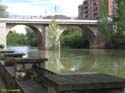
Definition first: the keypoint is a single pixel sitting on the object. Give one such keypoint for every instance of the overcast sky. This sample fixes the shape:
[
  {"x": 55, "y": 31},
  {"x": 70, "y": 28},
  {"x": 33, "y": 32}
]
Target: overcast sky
[{"x": 43, "y": 7}]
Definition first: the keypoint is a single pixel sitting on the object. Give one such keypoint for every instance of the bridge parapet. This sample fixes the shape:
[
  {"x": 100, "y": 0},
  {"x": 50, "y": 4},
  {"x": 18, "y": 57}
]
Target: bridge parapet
[{"x": 47, "y": 21}]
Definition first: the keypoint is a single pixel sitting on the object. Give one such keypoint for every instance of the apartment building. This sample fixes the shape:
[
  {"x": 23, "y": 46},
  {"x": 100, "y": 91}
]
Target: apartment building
[
  {"x": 80, "y": 12},
  {"x": 91, "y": 9}
]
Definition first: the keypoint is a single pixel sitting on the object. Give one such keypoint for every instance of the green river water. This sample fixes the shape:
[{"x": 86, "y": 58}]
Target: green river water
[{"x": 79, "y": 60}]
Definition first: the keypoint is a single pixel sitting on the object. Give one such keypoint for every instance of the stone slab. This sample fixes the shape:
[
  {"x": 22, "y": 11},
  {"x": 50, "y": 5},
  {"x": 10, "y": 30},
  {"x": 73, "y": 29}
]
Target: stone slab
[
  {"x": 30, "y": 86},
  {"x": 14, "y": 54},
  {"x": 85, "y": 81},
  {"x": 29, "y": 60},
  {"x": 6, "y": 51}
]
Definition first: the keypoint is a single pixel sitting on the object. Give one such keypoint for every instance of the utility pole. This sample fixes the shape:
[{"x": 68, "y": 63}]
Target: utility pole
[
  {"x": 45, "y": 13},
  {"x": 55, "y": 11}
]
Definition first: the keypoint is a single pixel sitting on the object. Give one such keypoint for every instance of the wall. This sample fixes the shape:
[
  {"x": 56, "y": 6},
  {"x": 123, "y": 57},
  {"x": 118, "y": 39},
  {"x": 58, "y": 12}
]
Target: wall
[{"x": 3, "y": 33}]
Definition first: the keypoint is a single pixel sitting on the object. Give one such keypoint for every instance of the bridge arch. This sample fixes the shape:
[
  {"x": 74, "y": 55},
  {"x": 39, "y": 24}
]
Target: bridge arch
[
  {"x": 41, "y": 26},
  {"x": 86, "y": 31},
  {"x": 38, "y": 33}
]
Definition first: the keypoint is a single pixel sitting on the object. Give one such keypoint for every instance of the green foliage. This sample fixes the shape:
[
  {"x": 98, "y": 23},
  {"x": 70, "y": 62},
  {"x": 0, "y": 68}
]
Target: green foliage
[
  {"x": 2, "y": 11},
  {"x": 73, "y": 39},
  {"x": 117, "y": 35},
  {"x": 16, "y": 39},
  {"x": 104, "y": 8},
  {"x": 103, "y": 22},
  {"x": 120, "y": 19},
  {"x": 20, "y": 39},
  {"x": 53, "y": 29},
  {"x": 31, "y": 37},
  {"x": 54, "y": 34},
  {"x": 103, "y": 25}
]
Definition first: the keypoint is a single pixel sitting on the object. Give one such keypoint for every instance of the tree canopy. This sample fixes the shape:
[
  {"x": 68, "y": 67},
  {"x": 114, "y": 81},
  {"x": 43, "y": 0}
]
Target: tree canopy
[{"x": 3, "y": 12}]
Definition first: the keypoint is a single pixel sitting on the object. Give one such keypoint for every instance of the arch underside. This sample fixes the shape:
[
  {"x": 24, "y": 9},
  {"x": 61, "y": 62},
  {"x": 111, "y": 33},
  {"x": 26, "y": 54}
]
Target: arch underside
[
  {"x": 90, "y": 35},
  {"x": 39, "y": 35}
]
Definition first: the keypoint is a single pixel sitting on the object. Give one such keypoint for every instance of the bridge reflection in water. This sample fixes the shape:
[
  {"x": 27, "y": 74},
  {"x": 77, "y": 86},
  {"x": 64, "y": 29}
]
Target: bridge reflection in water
[{"x": 79, "y": 60}]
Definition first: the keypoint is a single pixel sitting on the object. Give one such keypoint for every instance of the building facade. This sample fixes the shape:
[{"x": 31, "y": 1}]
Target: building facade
[
  {"x": 91, "y": 9},
  {"x": 80, "y": 12}
]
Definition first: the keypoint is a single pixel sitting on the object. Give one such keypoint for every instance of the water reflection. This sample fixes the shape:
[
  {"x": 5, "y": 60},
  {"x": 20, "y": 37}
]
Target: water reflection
[{"x": 80, "y": 60}]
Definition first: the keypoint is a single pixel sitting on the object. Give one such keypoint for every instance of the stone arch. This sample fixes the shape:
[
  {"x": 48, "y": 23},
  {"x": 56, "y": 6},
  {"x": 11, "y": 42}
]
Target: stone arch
[
  {"x": 39, "y": 35},
  {"x": 84, "y": 29},
  {"x": 88, "y": 32},
  {"x": 90, "y": 35}
]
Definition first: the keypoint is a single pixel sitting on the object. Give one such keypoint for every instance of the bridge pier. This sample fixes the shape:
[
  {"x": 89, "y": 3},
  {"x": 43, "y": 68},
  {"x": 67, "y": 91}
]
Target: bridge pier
[
  {"x": 49, "y": 42},
  {"x": 41, "y": 35},
  {"x": 3, "y": 34},
  {"x": 94, "y": 36},
  {"x": 97, "y": 43}
]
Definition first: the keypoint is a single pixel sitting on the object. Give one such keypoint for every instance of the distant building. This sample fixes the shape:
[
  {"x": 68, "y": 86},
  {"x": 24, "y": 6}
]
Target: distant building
[
  {"x": 91, "y": 9},
  {"x": 24, "y": 16},
  {"x": 81, "y": 11},
  {"x": 112, "y": 7},
  {"x": 56, "y": 17}
]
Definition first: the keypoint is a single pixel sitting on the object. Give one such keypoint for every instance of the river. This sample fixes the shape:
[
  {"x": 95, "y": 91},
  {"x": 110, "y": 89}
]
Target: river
[{"x": 79, "y": 60}]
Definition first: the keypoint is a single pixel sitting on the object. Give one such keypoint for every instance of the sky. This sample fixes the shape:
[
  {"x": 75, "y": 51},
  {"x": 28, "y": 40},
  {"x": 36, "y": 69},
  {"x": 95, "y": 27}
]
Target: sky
[{"x": 43, "y": 7}]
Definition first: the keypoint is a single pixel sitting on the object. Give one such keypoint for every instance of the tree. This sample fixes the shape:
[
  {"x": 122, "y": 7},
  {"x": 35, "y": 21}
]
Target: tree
[
  {"x": 103, "y": 24},
  {"x": 119, "y": 19},
  {"x": 119, "y": 23},
  {"x": 31, "y": 37},
  {"x": 54, "y": 34},
  {"x": 3, "y": 11},
  {"x": 14, "y": 38},
  {"x": 73, "y": 39}
]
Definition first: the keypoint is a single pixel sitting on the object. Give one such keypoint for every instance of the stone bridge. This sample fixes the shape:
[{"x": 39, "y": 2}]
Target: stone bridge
[{"x": 40, "y": 27}]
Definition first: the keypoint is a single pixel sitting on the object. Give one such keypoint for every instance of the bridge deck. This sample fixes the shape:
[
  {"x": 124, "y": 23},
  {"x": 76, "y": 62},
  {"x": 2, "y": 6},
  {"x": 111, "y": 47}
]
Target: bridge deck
[{"x": 47, "y": 21}]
